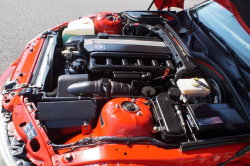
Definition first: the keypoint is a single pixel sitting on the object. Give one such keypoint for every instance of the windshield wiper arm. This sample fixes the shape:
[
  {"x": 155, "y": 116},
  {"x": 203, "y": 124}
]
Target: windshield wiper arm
[
  {"x": 226, "y": 47},
  {"x": 220, "y": 40},
  {"x": 237, "y": 154},
  {"x": 196, "y": 13}
]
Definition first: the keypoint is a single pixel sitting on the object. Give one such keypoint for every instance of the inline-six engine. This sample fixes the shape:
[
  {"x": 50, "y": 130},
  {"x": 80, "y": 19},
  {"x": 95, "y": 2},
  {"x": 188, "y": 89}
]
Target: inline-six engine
[{"x": 136, "y": 83}]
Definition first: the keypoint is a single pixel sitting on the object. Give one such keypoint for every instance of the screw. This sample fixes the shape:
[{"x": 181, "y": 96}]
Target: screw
[
  {"x": 31, "y": 49},
  {"x": 23, "y": 85},
  {"x": 12, "y": 94},
  {"x": 139, "y": 113},
  {"x": 20, "y": 74},
  {"x": 68, "y": 157},
  {"x": 117, "y": 105},
  {"x": 156, "y": 129}
]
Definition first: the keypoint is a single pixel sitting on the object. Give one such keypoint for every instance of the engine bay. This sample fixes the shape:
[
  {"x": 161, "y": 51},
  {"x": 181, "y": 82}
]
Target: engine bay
[{"x": 124, "y": 78}]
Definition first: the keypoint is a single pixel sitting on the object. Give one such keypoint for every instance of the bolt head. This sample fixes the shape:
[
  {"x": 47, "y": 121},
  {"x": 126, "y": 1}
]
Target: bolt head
[
  {"x": 117, "y": 105},
  {"x": 68, "y": 157},
  {"x": 23, "y": 85},
  {"x": 139, "y": 113},
  {"x": 20, "y": 74}
]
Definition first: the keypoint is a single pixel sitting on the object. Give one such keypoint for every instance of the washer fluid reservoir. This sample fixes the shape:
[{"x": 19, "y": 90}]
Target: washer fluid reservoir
[{"x": 83, "y": 26}]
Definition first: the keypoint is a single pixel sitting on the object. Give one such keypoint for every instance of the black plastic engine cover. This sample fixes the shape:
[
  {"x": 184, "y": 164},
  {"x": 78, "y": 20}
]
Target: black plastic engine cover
[
  {"x": 125, "y": 53},
  {"x": 126, "y": 45},
  {"x": 66, "y": 113}
]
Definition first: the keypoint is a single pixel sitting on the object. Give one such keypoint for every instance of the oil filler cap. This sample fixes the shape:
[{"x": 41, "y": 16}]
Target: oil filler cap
[
  {"x": 130, "y": 106},
  {"x": 174, "y": 93}
]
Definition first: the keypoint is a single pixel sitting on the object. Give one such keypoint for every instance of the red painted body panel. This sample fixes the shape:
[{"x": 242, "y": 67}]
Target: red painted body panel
[
  {"x": 28, "y": 60},
  {"x": 103, "y": 24},
  {"x": 120, "y": 122},
  {"x": 152, "y": 156},
  {"x": 115, "y": 154},
  {"x": 7, "y": 73},
  {"x": 169, "y": 3}
]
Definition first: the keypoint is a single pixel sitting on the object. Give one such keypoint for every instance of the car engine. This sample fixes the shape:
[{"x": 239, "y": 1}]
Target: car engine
[{"x": 128, "y": 80}]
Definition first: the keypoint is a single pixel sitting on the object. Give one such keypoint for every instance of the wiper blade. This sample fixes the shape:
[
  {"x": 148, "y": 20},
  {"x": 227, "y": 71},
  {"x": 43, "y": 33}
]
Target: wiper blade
[
  {"x": 196, "y": 13},
  {"x": 220, "y": 40},
  {"x": 226, "y": 47},
  {"x": 240, "y": 153}
]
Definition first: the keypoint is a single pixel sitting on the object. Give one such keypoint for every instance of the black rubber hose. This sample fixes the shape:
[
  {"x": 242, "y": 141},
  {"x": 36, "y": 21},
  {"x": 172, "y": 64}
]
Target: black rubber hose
[
  {"x": 80, "y": 48},
  {"x": 52, "y": 94},
  {"x": 131, "y": 139},
  {"x": 123, "y": 29},
  {"x": 85, "y": 140},
  {"x": 88, "y": 88},
  {"x": 110, "y": 138}
]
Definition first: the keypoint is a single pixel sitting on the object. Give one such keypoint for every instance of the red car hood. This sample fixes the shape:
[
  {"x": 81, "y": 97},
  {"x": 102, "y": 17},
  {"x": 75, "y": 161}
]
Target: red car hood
[{"x": 240, "y": 9}]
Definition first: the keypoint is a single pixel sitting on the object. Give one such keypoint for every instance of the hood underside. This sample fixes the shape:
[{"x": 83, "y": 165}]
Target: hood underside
[{"x": 240, "y": 9}]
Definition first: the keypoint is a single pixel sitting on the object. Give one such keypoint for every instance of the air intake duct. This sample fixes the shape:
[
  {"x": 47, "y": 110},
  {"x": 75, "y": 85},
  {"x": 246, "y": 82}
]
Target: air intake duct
[{"x": 100, "y": 87}]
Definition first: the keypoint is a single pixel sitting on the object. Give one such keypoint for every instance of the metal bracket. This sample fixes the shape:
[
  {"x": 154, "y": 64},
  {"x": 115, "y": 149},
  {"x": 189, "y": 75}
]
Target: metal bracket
[{"x": 28, "y": 92}]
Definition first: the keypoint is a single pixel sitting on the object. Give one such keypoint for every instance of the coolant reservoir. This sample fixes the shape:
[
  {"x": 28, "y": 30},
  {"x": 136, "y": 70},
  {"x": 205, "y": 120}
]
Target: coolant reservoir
[
  {"x": 83, "y": 26},
  {"x": 193, "y": 88}
]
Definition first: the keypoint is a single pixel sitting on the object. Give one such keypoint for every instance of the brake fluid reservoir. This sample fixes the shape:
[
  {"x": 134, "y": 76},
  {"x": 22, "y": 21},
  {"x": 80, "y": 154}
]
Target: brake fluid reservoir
[
  {"x": 83, "y": 26},
  {"x": 193, "y": 88}
]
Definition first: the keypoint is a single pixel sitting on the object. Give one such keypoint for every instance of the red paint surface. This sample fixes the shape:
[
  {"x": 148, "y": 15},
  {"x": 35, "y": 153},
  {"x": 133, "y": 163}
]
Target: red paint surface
[
  {"x": 21, "y": 116},
  {"x": 169, "y": 3},
  {"x": 117, "y": 154},
  {"x": 120, "y": 122},
  {"x": 103, "y": 24}
]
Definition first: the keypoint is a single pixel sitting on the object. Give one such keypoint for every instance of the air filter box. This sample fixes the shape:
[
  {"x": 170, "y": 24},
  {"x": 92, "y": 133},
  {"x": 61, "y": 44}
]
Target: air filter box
[{"x": 66, "y": 113}]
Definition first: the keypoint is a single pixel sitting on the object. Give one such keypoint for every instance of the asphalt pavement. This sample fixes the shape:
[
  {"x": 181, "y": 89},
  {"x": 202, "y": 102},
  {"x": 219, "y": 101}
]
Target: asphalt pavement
[{"x": 22, "y": 20}]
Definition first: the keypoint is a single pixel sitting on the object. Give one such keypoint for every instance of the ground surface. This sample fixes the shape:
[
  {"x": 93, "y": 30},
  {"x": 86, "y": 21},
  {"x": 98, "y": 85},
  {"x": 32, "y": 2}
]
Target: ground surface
[{"x": 22, "y": 20}]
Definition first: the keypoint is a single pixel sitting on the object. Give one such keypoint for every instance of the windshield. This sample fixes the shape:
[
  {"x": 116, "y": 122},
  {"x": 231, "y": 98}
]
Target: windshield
[{"x": 223, "y": 23}]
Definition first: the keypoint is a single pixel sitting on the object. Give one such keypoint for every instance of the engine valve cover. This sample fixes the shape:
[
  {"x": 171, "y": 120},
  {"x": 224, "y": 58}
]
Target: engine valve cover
[{"x": 125, "y": 117}]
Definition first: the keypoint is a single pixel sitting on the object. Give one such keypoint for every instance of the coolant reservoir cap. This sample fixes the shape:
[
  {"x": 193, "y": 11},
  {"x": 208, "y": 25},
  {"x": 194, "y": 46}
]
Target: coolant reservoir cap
[
  {"x": 194, "y": 82},
  {"x": 130, "y": 106},
  {"x": 85, "y": 21}
]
